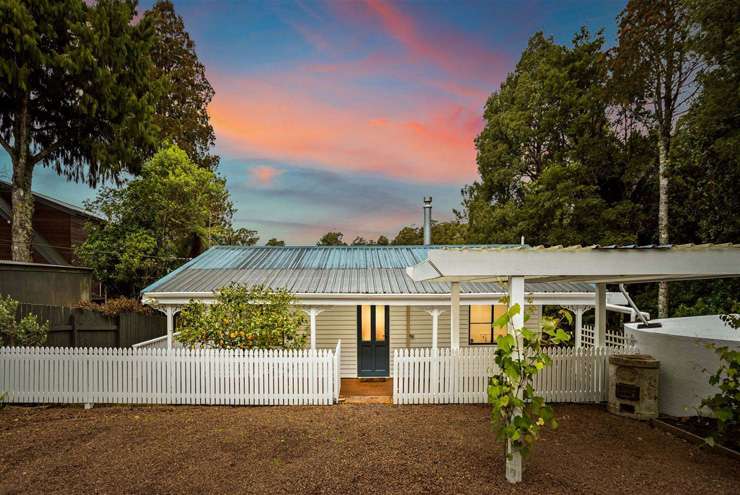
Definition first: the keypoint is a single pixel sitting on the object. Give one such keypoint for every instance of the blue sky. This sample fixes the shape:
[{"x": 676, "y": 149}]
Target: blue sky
[{"x": 343, "y": 115}]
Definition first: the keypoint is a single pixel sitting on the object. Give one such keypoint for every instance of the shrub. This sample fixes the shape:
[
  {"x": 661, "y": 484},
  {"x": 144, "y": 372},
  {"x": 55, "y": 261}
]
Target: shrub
[
  {"x": 244, "y": 318},
  {"x": 725, "y": 404},
  {"x": 27, "y": 332},
  {"x": 114, "y": 307}
]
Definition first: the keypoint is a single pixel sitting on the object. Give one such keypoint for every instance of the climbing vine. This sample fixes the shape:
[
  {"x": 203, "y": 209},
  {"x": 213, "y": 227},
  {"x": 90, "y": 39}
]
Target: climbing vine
[{"x": 517, "y": 412}]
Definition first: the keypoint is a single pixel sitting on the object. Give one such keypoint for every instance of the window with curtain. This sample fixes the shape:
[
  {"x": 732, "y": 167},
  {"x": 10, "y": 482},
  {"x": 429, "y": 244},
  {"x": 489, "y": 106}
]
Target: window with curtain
[{"x": 480, "y": 327}]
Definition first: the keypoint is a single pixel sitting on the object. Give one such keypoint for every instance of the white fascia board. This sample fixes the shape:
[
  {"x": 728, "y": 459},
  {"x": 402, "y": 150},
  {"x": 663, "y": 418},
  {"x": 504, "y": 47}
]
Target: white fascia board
[
  {"x": 539, "y": 298},
  {"x": 578, "y": 265}
]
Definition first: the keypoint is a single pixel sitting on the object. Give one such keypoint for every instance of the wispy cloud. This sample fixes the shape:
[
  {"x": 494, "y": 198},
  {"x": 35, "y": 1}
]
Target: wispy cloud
[{"x": 264, "y": 175}]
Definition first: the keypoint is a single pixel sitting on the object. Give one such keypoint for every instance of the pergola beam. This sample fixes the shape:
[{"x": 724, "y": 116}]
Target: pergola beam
[{"x": 579, "y": 264}]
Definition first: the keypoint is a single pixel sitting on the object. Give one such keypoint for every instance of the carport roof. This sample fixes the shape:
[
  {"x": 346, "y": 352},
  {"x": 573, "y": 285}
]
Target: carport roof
[{"x": 580, "y": 264}]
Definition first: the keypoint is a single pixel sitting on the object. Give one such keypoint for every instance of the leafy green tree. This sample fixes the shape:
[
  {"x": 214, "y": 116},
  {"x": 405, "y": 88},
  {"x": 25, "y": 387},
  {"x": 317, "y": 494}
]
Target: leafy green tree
[
  {"x": 275, "y": 242},
  {"x": 442, "y": 233},
  {"x": 26, "y": 332},
  {"x": 153, "y": 221},
  {"x": 382, "y": 241},
  {"x": 76, "y": 95},
  {"x": 181, "y": 111},
  {"x": 332, "y": 239},
  {"x": 228, "y": 236},
  {"x": 244, "y": 318},
  {"x": 550, "y": 166},
  {"x": 654, "y": 67}
]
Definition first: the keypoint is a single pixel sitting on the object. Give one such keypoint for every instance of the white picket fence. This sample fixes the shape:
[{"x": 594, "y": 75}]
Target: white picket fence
[
  {"x": 177, "y": 376},
  {"x": 444, "y": 376},
  {"x": 614, "y": 338}
]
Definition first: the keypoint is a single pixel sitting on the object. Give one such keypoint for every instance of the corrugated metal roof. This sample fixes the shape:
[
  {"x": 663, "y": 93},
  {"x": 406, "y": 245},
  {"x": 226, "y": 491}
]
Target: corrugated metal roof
[{"x": 323, "y": 270}]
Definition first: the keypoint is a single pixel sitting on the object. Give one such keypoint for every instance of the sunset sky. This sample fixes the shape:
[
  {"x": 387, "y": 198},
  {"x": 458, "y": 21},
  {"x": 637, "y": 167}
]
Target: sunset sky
[{"x": 343, "y": 115}]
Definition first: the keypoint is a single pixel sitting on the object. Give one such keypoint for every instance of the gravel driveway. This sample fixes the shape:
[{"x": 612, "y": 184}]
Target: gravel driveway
[{"x": 339, "y": 449}]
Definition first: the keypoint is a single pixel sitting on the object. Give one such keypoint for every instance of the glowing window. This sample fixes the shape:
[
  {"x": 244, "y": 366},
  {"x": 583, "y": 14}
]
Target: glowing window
[{"x": 481, "y": 329}]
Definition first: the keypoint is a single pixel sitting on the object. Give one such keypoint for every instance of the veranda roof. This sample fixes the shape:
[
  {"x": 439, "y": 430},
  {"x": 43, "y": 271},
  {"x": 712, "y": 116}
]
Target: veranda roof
[
  {"x": 327, "y": 270},
  {"x": 579, "y": 264}
]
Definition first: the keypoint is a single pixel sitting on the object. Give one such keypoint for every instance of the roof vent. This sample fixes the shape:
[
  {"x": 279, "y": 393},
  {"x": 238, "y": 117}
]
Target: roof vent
[{"x": 427, "y": 220}]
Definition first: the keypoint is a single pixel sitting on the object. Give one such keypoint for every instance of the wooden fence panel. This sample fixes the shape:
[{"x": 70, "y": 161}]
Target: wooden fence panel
[{"x": 70, "y": 327}]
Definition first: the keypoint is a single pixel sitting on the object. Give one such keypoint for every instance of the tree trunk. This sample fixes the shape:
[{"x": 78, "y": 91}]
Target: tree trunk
[
  {"x": 22, "y": 198},
  {"x": 663, "y": 164}
]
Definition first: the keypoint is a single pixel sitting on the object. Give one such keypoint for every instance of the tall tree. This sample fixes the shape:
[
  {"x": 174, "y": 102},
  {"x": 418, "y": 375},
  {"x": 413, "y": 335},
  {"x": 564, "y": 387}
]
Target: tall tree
[
  {"x": 332, "y": 239},
  {"x": 181, "y": 112},
  {"x": 152, "y": 221},
  {"x": 75, "y": 95},
  {"x": 543, "y": 153},
  {"x": 654, "y": 68}
]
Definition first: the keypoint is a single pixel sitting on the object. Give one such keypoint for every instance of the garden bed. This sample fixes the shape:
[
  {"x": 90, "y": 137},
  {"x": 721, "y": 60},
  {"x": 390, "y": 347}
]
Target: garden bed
[{"x": 339, "y": 449}]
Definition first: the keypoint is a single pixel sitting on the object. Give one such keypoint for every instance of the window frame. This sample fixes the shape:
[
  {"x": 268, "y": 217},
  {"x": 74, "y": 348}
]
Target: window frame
[{"x": 493, "y": 329}]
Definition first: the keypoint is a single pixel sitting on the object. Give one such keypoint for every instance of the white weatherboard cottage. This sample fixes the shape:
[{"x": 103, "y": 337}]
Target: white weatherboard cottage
[{"x": 363, "y": 296}]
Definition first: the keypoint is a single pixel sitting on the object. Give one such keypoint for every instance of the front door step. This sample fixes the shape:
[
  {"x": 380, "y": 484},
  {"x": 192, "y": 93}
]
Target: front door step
[
  {"x": 366, "y": 399},
  {"x": 372, "y": 379}
]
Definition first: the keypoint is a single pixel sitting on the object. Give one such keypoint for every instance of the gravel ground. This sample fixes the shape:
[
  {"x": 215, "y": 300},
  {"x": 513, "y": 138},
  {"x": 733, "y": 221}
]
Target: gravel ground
[{"x": 339, "y": 449}]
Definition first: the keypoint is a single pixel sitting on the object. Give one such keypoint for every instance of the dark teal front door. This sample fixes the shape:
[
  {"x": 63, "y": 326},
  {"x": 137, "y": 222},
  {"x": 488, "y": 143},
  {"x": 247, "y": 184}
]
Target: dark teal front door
[{"x": 373, "y": 332}]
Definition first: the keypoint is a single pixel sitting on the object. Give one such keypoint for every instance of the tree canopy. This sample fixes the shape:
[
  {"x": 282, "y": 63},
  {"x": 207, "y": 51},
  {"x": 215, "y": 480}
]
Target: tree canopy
[
  {"x": 332, "y": 239},
  {"x": 542, "y": 154},
  {"x": 68, "y": 97},
  {"x": 155, "y": 222},
  {"x": 181, "y": 110}
]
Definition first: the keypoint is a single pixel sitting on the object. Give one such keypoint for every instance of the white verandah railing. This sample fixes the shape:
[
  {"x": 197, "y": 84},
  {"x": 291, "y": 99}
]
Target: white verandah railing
[
  {"x": 426, "y": 376},
  {"x": 178, "y": 376}
]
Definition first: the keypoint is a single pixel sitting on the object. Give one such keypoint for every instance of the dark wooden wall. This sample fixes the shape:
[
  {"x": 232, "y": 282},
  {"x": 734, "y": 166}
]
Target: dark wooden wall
[{"x": 44, "y": 284}]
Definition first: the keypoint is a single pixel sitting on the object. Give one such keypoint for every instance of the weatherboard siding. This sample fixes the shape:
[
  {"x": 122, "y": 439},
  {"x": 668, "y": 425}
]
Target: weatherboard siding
[{"x": 340, "y": 322}]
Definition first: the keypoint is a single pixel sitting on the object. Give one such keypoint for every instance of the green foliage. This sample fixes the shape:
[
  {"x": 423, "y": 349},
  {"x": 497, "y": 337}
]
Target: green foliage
[
  {"x": 332, "y": 239},
  {"x": 275, "y": 242},
  {"x": 228, "y": 236},
  {"x": 244, "y": 318},
  {"x": 75, "y": 95},
  {"x": 181, "y": 110},
  {"x": 517, "y": 412},
  {"x": 155, "y": 222},
  {"x": 725, "y": 404},
  {"x": 551, "y": 168},
  {"x": 26, "y": 332},
  {"x": 442, "y": 233}
]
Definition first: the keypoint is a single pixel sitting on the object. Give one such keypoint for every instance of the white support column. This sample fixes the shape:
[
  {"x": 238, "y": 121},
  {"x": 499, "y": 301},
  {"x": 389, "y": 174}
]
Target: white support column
[
  {"x": 435, "y": 312},
  {"x": 579, "y": 326},
  {"x": 600, "y": 322},
  {"x": 516, "y": 296},
  {"x": 455, "y": 315},
  {"x": 170, "y": 311},
  {"x": 312, "y": 314}
]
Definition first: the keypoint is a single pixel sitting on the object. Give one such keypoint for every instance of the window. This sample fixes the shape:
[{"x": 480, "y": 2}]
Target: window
[
  {"x": 367, "y": 315},
  {"x": 480, "y": 328}
]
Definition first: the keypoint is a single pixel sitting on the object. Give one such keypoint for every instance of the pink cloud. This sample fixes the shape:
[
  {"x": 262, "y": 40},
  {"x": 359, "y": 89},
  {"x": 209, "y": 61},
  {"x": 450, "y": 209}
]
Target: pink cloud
[
  {"x": 263, "y": 174},
  {"x": 405, "y": 138}
]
